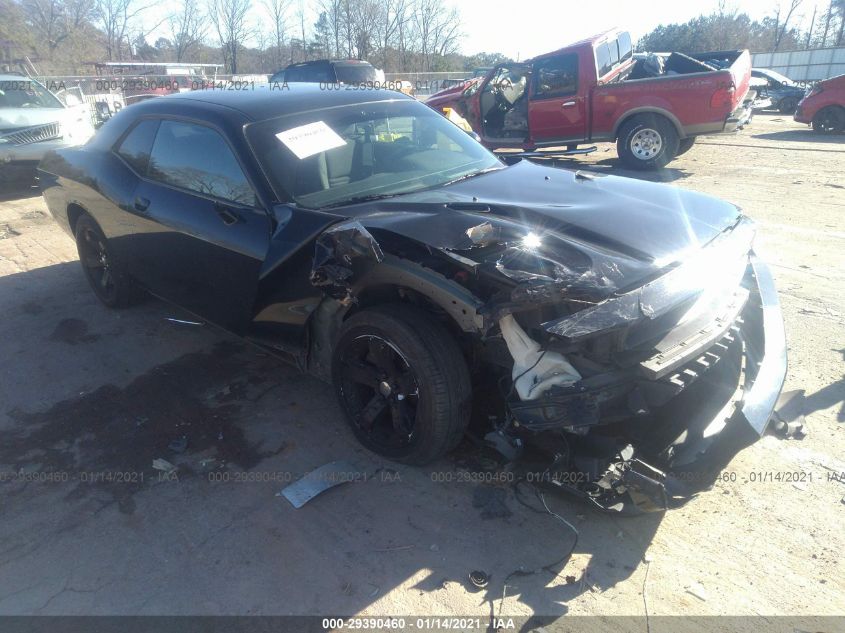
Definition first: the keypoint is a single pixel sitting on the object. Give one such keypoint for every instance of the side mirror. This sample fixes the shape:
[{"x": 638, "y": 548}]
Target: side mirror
[{"x": 474, "y": 135}]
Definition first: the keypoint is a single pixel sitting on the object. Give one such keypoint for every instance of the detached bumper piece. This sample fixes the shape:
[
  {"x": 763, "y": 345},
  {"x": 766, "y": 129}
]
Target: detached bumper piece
[{"x": 652, "y": 435}]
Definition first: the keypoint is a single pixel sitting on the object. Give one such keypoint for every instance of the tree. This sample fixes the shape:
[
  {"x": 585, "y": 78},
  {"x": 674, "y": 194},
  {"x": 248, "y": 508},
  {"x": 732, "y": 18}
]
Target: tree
[
  {"x": 188, "y": 28},
  {"x": 839, "y": 7},
  {"x": 229, "y": 18},
  {"x": 322, "y": 37},
  {"x": 115, "y": 18},
  {"x": 277, "y": 10},
  {"x": 437, "y": 30},
  {"x": 781, "y": 28}
]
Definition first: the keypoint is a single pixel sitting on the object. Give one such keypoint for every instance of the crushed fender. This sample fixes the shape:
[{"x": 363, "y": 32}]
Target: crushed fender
[{"x": 335, "y": 253}]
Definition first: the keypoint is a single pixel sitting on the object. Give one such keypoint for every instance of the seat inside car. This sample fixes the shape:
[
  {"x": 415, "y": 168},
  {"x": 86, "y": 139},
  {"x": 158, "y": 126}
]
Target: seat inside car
[{"x": 333, "y": 168}]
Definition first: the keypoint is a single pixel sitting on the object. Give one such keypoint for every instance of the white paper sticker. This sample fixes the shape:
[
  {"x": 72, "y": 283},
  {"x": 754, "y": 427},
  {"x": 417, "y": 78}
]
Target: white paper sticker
[{"x": 307, "y": 140}]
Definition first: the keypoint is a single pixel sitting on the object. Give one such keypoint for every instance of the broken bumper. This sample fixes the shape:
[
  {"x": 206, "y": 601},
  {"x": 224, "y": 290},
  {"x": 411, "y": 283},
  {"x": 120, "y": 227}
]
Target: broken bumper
[
  {"x": 657, "y": 437},
  {"x": 759, "y": 401},
  {"x": 742, "y": 116}
]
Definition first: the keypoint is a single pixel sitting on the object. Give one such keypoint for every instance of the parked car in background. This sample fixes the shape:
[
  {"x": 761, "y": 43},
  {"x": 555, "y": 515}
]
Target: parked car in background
[
  {"x": 824, "y": 106},
  {"x": 351, "y": 72},
  {"x": 368, "y": 240},
  {"x": 594, "y": 90},
  {"x": 32, "y": 121},
  {"x": 328, "y": 71},
  {"x": 783, "y": 93}
]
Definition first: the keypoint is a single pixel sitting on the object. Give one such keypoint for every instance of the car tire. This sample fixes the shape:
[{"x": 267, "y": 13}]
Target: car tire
[
  {"x": 685, "y": 145},
  {"x": 829, "y": 120},
  {"x": 106, "y": 277},
  {"x": 647, "y": 141},
  {"x": 402, "y": 383},
  {"x": 788, "y": 105}
]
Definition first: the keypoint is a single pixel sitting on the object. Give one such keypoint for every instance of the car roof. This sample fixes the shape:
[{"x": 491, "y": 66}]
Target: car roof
[
  {"x": 322, "y": 62},
  {"x": 267, "y": 101}
]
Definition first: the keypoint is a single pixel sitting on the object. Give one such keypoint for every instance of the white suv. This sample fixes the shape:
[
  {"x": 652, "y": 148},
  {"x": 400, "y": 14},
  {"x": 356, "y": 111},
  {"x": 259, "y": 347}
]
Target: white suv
[{"x": 33, "y": 120}]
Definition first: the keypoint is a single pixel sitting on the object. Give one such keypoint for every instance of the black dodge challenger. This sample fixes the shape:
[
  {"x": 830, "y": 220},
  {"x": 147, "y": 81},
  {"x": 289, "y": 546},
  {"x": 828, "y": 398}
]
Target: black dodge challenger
[{"x": 622, "y": 331}]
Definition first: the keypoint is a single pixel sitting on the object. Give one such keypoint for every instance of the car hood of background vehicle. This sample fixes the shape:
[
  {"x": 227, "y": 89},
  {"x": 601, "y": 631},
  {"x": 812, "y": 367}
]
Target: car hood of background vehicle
[
  {"x": 21, "y": 118},
  {"x": 614, "y": 230}
]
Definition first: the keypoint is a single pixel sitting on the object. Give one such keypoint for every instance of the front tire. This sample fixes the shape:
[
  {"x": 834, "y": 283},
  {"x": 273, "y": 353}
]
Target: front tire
[
  {"x": 106, "y": 277},
  {"x": 402, "y": 383},
  {"x": 647, "y": 141},
  {"x": 829, "y": 120}
]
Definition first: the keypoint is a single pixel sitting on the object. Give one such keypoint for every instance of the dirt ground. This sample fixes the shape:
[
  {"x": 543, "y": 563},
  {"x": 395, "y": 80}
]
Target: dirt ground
[{"x": 90, "y": 397}]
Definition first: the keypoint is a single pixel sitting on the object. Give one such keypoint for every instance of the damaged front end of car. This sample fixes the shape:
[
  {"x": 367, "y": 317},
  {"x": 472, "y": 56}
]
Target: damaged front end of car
[
  {"x": 625, "y": 379},
  {"x": 673, "y": 379}
]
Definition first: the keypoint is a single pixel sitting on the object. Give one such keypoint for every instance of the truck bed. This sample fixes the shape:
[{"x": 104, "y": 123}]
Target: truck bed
[{"x": 700, "y": 93}]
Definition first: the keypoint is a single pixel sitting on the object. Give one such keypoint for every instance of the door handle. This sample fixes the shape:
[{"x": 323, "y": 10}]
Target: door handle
[
  {"x": 141, "y": 204},
  {"x": 228, "y": 217},
  {"x": 568, "y": 104}
]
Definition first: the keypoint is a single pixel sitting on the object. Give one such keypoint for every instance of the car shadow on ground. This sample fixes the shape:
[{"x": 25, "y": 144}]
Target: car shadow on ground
[
  {"x": 238, "y": 426},
  {"x": 828, "y": 396},
  {"x": 18, "y": 190},
  {"x": 802, "y": 136}
]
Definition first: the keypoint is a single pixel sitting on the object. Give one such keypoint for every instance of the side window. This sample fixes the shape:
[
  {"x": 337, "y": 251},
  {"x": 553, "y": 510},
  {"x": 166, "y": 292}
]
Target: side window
[
  {"x": 556, "y": 77},
  {"x": 135, "y": 147},
  {"x": 603, "y": 63},
  {"x": 197, "y": 158},
  {"x": 626, "y": 50}
]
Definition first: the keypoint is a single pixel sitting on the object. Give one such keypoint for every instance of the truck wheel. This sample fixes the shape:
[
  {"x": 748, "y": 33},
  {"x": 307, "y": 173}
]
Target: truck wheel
[
  {"x": 829, "y": 120},
  {"x": 402, "y": 383},
  {"x": 685, "y": 145},
  {"x": 106, "y": 277},
  {"x": 788, "y": 105},
  {"x": 647, "y": 141}
]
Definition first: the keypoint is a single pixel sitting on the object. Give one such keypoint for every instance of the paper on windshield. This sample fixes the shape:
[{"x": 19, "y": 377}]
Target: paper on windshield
[{"x": 307, "y": 140}]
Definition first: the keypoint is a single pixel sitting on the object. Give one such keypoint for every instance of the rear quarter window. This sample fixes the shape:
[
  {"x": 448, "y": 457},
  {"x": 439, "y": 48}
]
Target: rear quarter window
[{"x": 136, "y": 146}]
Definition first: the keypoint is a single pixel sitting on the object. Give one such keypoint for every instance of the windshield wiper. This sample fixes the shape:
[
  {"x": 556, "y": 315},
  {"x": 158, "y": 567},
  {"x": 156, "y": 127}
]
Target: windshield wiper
[
  {"x": 470, "y": 175},
  {"x": 359, "y": 199}
]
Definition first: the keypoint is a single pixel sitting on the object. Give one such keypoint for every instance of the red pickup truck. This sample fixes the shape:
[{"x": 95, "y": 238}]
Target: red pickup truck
[{"x": 653, "y": 105}]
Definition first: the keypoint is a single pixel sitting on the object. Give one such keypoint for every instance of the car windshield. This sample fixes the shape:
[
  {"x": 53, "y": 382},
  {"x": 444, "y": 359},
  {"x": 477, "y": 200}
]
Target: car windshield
[
  {"x": 25, "y": 93},
  {"x": 340, "y": 155},
  {"x": 786, "y": 81}
]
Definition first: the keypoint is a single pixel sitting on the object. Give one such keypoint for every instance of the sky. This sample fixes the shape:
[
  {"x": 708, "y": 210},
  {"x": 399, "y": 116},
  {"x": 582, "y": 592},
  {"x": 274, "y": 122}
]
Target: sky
[
  {"x": 521, "y": 29},
  {"x": 526, "y": 28}
]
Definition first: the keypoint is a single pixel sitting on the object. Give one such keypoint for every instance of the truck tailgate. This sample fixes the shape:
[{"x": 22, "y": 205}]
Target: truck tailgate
[{"x": 741, "y": 74}]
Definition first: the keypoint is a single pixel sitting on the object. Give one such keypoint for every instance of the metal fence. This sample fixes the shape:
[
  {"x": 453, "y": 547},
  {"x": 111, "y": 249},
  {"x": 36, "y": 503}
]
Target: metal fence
[
  {"x": 428, "y": 83},
  {"x": 805, "y": 66}
]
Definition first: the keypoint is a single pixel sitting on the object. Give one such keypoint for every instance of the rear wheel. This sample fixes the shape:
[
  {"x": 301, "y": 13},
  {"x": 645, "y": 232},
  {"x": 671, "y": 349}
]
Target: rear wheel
[
  {"x": 647, "y": 141},
  {"x": 106, "y": 277},
  {"x": 830, "y": 120},
  {"x": 402, "y": 383}
]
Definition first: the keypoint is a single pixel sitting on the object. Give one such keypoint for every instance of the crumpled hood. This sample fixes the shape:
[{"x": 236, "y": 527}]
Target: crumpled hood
[{"x": 609, "y": 231}]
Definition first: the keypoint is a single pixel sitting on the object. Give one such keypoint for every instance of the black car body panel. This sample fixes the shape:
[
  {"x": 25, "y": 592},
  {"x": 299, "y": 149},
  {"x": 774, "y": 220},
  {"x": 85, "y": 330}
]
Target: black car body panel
[{"x": 653, "y": 293}]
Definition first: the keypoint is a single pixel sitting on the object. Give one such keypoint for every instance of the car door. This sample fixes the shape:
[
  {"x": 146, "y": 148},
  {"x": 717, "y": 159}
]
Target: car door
[
  {"x": 199, "y": 235},
  {"x": 556, "y": 110}
]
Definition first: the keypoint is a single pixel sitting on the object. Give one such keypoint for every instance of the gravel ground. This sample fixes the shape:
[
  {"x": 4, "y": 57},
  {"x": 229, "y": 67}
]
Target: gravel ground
[{"x": 86, "y": 391}]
